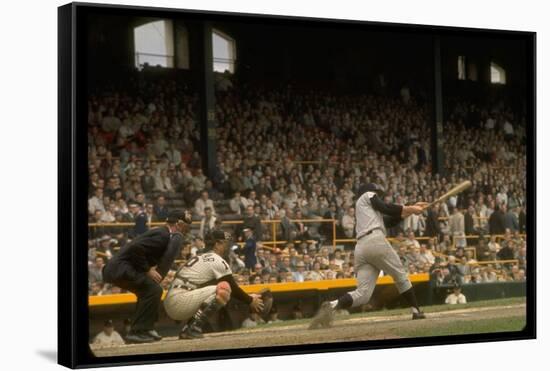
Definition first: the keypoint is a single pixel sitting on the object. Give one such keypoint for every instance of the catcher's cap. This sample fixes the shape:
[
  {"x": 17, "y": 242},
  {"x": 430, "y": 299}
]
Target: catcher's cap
[
  {"x": 177, "y": 215},
  {"x": 216, "y": 235}
]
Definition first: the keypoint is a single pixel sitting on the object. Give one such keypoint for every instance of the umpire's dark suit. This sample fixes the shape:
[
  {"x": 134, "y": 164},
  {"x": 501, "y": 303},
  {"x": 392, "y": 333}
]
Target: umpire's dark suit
[{"x": 128, "y": 270}]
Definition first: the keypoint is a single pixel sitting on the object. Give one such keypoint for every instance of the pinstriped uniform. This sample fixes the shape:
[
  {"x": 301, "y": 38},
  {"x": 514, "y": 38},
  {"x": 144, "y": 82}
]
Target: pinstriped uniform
[
  {"x": 182, "y": 303},
  {"x": 373, "y": 253}
]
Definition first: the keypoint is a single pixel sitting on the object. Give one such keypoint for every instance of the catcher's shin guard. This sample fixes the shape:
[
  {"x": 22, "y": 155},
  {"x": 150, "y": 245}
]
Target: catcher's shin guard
[{"x": 193, "y": 328}]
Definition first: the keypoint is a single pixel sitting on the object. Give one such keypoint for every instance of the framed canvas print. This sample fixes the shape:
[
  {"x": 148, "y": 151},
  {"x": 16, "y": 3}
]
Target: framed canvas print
[{"x": 236, "y": 185}]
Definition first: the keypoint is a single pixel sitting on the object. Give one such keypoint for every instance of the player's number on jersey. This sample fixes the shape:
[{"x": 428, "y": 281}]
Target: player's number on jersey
[{"x": 191, "y": 262}]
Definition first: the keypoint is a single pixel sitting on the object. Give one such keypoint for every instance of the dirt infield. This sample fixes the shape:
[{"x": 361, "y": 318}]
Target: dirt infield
[{"x": 345, "y": 328}]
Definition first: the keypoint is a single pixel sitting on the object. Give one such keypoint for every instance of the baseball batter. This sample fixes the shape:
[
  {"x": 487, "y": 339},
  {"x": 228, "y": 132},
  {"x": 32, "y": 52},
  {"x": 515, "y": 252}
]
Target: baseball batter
[
  {"x": 373, "y": 253},
  {"x": 204, "y": 285}
]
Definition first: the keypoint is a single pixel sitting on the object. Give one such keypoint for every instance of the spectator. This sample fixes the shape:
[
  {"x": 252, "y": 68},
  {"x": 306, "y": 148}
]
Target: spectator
[
  {"x": 299, "y": 275},
  {"x": 506, "y": 252},
  {"x": 208, "y": 223},
  {"x": 249, "y": 250},
  {"x": 302, "y": 231},
  {"x": 160, "y": 211},
  {"x": 109, "y": 216},
  {"x": 496, "y": 222},
  {"x": 252, "y": 221},
  {"x": 522, "y": 258},
  {"x": 432, "y": 223},
  {"x": 511, "y": 221},
  {"x": 148, "y": 181},
  {"x": 469, "y": 222},
  {"x": 494, "y": 248},
  {"x": 425, "y": 255},
  {"x": 95, "y": 203},
  {"x": 97, "y": 289},
  {"x": 288, "y": 227},
  {"x": 95, "y": 272},
  {"x": 237, "y": 203},
  {"x": 483, "y": 251},
  {"x": 140, "y": 220},
  {"x": 456, "y": 275},
  {"x": 456, "y": 297},
  {"x": 108, "y": 337},
  {"x": 203, "y": 202},
  {"x": 104, "y": 247},
  {"x": 348, "y": 222},
  {"x": 457, "y": 227}
]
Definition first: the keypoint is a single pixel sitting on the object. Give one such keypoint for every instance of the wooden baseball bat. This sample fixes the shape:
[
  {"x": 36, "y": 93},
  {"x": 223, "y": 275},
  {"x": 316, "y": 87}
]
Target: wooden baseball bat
[{"x": 454, "y": 191}]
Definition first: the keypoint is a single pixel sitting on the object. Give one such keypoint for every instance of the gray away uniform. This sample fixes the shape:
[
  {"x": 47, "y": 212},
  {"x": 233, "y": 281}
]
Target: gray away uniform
[{"x": 373, "y": 253}]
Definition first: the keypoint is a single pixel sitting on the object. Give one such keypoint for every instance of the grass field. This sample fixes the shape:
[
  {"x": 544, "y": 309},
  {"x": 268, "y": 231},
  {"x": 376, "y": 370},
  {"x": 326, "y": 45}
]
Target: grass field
[{"x": 472, "y": 318}]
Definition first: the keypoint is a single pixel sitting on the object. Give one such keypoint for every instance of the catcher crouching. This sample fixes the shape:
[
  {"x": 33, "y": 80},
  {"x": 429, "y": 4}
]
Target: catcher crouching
[{"x": 204, "y": 285}]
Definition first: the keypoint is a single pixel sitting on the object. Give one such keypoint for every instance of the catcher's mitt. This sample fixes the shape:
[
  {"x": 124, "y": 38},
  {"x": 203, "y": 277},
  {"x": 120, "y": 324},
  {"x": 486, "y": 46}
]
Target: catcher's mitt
[{"x": 267, "y": 298}]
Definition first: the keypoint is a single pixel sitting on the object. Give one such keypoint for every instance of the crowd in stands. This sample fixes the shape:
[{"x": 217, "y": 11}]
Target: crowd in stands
[{"x": 288, "y": 155}]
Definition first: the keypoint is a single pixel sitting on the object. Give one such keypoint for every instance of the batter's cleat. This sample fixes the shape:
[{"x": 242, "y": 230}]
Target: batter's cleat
[
  {"x": 155, "y": 335},
  {"x": 139, "y": 337},
  {"x": 419, "y": 315},
  {"x": 191, "y": 332},
  {"x": 323, "y": 318}
]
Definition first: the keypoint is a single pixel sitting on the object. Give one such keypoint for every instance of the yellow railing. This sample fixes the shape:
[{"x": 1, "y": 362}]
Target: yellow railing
[
  {"x": 274, "y": 225},
  {"x": 322, "y": 285}
]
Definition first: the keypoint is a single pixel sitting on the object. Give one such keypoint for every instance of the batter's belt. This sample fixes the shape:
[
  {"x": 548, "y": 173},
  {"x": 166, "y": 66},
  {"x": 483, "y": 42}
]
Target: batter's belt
[{"x": 367, "y": 233}]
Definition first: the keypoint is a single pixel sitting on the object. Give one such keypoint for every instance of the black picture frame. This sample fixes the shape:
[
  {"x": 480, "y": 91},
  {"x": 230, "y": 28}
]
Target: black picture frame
[{"x": 73, "y": 349}]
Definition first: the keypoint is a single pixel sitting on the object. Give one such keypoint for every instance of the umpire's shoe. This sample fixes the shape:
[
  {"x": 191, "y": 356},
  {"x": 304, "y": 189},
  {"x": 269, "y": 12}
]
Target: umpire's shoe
[
  {"x": 419, "y": 315},
  {"x": 323, "y": 318},
  {"x": 139, "y": 337}
]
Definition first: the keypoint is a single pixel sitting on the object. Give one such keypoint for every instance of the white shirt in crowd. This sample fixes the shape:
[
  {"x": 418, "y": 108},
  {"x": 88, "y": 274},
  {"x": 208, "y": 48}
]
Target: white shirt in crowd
[
  {"x": 508, "y": 128},
  {"x": 103, "y": 339},
  {"x": 455, "y": 299},
  {"x": 490, "y": 124},
  {"x": 348, "y": 223},
  {"x": 502, "y": 198},
  {"x": 94, "y": 204},
  {"x": 200, "y": 204}
]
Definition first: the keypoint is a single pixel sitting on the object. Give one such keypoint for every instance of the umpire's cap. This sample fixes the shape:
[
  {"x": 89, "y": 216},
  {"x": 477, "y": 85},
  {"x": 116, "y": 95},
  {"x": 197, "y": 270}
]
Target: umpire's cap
[
  {"x": 371, "y": 187},
  {"x": 177, "y": 215}
]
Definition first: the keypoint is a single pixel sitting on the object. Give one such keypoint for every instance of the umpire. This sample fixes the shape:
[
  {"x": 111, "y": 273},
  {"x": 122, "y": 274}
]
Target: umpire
[{"x": 141, "y": 265}]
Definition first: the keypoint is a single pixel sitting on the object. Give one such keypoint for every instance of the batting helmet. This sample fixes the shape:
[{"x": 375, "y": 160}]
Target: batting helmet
[{"x": 371, "y": 187}]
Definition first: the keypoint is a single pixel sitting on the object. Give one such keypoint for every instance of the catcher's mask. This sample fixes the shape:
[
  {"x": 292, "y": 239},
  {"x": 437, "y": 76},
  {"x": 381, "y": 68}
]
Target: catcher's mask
[{"x": 218, "y": 236}]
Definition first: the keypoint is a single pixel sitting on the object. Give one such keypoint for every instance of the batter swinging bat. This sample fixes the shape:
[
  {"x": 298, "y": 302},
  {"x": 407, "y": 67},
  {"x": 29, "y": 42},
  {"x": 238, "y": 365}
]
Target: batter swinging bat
[{"x": 454, "y": 191}]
